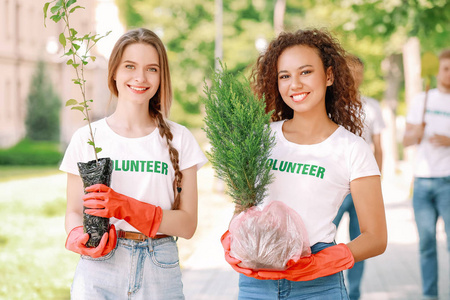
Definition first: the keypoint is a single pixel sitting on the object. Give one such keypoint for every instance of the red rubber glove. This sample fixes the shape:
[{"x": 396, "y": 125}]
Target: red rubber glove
[
  {"x": 77, "y": 239},
  {"x": 103, "y": 201},
  {"x": 327, "y": 262},
  {"x": 226, "y": 241}
]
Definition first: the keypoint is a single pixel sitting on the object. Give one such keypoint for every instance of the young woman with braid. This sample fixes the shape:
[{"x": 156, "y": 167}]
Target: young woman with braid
[
  {"x": 153, "y": 193},
  {"x": 317, "y": 160}
]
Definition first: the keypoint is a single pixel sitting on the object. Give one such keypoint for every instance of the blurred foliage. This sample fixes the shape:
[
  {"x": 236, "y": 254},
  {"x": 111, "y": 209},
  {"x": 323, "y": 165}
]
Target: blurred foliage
[
  {"x": 430, "y": 66},
  {"x": 373, "y": 30},
  {"x": 28, "y": 152},
  {"x": 42, "y": 121}
]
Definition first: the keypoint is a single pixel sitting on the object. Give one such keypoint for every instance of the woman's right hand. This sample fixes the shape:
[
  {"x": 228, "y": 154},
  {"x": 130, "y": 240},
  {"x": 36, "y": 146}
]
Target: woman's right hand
[
  {"x": 77, "y": 239},
  {"x": 226, "y": 242}
]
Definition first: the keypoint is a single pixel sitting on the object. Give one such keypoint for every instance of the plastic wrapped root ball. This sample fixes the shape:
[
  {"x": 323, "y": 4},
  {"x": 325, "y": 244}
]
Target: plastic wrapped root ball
[{"x": 266, "y": 239}]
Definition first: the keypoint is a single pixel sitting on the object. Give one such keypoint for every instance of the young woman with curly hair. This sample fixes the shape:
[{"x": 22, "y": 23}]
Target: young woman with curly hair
[{"x": 318, "y": 159}]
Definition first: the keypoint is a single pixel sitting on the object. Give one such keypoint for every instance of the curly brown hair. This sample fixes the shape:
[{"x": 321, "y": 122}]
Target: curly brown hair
[{"x": 342, "y": 100}]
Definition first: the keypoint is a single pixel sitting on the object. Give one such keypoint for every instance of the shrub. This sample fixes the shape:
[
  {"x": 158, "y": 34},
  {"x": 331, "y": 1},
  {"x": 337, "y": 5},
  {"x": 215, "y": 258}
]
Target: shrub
[
  {"x": 28, "y": 152},
  {"x": 42, "y": 122}
]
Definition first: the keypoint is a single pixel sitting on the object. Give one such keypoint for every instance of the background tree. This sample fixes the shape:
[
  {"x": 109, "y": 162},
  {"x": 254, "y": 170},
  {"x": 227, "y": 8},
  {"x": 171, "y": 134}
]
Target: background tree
[{"x": 42, "y": 122}]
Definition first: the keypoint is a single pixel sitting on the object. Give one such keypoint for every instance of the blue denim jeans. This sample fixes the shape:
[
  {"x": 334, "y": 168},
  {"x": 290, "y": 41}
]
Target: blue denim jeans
[
  {"x": 133, "y": 270},
  {"x": 325, "y": 288},
  {"x": 431, "y": 199},
  {"x": 354, "y": 275}
]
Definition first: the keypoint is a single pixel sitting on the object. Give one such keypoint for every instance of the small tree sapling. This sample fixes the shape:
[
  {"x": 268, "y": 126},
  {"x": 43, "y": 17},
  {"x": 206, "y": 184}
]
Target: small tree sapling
[
  {"x": 240, "y": 137},
  {"x": 77, "y": 50}
]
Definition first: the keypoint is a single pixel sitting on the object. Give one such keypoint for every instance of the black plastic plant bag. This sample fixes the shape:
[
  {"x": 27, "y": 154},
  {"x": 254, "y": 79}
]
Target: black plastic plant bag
[{"x": 94, "y": 173}]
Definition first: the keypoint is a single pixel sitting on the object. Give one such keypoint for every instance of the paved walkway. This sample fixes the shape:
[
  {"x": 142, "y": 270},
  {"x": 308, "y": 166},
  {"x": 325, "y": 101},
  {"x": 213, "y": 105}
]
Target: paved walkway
[{"x": 395, "y": 275}]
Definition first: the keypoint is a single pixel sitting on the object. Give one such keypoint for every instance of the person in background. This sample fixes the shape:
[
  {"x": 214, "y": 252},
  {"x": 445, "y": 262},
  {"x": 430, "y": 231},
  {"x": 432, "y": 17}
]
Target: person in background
[
  {"x": 153, "y": 193},
  {"x": 373, "y": 125},
  {"x": 428, "y": 127}
]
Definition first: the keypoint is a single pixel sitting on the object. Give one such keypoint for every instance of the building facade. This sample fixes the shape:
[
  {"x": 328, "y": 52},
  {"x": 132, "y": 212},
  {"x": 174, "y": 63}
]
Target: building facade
[{"x": 24, "y": 40}]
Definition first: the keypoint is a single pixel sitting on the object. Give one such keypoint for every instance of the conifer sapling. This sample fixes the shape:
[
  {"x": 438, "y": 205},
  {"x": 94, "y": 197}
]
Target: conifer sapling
[{"x": 240, "y": 137}]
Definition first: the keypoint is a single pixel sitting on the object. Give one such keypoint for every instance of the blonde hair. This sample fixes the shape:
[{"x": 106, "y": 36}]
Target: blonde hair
[{"x": 159, "y": 105}]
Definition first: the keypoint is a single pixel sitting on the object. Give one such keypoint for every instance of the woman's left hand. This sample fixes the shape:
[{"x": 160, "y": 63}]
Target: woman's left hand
[{"x": 327, "y": 262}]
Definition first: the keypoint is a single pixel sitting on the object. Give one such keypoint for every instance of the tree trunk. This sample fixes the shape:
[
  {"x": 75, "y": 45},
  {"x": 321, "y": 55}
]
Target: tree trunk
[
  {"x": 278, "y": 16},
  {"x": 413, "y": 81},
  {"x": 218, "y": 50},
  {"x": 412, "y": 67},
  {"x": 390, "y": 139}
]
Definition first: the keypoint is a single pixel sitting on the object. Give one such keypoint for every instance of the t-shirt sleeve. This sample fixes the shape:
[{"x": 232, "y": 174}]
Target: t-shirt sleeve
[
  {"x": 415, "y": 112},
  {"x": 362, "y": 161},
  {"x": 191, "y": 153}
]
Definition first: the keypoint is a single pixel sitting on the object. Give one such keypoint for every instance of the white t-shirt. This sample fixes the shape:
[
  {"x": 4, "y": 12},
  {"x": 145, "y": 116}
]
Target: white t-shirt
[
  {"x": 314, "y": 179},
  {"x": 142, "y": 167},
  {"x": 431, "y": 161},
  {"x": 373, "y": 122}
]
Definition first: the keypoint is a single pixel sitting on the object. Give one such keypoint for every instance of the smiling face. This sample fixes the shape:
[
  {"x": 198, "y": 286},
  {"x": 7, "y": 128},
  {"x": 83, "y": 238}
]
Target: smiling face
[
  {"x": 138, "y": 74},
  {"x": 302, "y": 80}
]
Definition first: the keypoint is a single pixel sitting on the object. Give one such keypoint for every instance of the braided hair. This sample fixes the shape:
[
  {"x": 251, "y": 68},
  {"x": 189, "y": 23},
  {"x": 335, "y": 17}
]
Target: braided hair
[{"x": 159, "y": 105}]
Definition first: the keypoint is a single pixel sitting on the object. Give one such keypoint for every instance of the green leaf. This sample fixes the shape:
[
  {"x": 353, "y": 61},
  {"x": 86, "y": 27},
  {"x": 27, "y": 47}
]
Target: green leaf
[
  {"x": 55, "y": 9},
  {"x": 76, "y": 46},
  {"x": 98, "y": 149},
  {"x": 71, "y": 102},
  {"x": 93, "y": 58},
  {"x": 75, "y": 8},
  {"x": 90, "y": 142},
  {"x": 55, "y": 18},
  {"x": 62, "y": 39},
  {"x": 73, "y": 32},
  {"x": 70, "y": 2},
  {"x": 45, "y": 11},
  {"x": 80, "y": 108},
  {"x": 69, "y": 62},
  {"x": 68, "y": 53},
  {"x": 75, "y": 65}
]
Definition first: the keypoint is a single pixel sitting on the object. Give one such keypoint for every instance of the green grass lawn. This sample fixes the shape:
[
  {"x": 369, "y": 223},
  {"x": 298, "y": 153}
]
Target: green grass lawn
[
  {"x": 33, "y": 261},
  {"x": 20, "y": 172}
]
